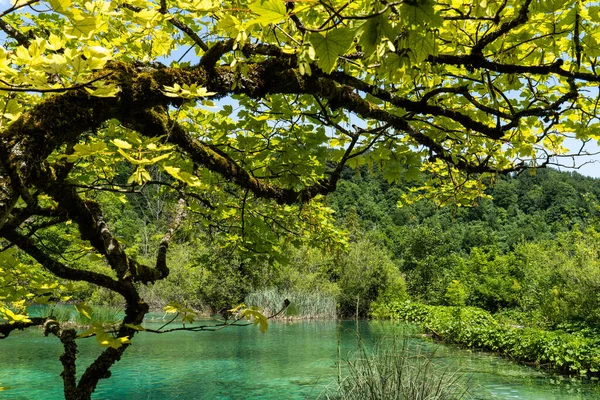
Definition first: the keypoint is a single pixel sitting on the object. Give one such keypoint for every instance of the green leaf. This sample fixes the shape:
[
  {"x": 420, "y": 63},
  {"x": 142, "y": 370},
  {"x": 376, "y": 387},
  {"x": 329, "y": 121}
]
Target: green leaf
[
  {"x": 139, "y": 176},
  {"x": 136, "y": 327},
  {"x": 60, "y": 6},
  {"x": 268, "y": 11},
  {"x": 83, "y": 150},
  {"x": 115, "y": 343},
  {"x": 330, "y": 46},
  {"x": 420, "y": 13},
  {"x": 183, "y": 176},
  {"x": 422, "y": 44},
  {"x": 15, "y": 317},
  {"x": 121, "y": 144},
  {"x": 231, "y": 25},
  {"x": 104, "y": 338},
  {"x": 373, "y": 31},
  {"x": 102, "y": 90},
  {"x": 172, "y": 308},
  {"x": 83, "y": 27},
  {"x": 186, "y": 91},
  {"x": 84, "y": 309},
  {"x": 42, "y": 299}
]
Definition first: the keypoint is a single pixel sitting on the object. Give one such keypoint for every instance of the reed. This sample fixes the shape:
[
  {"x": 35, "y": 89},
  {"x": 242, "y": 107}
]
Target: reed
[
  {"x": 100, "y": 315},
  {"x": 395, "y": 370},
  {"x": 303, "y": 305},
  {"x": 67, "y": 314},
  {"x": 61, "y": 313}
]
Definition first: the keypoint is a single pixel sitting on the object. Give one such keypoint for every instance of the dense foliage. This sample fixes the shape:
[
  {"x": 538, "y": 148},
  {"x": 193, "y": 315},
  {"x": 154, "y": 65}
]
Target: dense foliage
[
  {"x": 499, "y": 256},
  {"x": 569, "y": 352},
  {"x": 509, "y": 252}
]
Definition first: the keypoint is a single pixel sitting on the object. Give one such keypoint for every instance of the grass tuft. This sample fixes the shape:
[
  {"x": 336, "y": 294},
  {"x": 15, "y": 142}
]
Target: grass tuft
[
  {"x": 303, "y": 305},
  {"x": 67, "y": 314},
  {"x": 395, "y": 370}
]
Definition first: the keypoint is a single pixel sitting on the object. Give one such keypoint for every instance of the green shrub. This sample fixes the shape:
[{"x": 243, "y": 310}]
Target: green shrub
[
  {"x": 456, "y": 294},
  {"x": 367, "y": 274},
  {"x": 575, "y": 353}
]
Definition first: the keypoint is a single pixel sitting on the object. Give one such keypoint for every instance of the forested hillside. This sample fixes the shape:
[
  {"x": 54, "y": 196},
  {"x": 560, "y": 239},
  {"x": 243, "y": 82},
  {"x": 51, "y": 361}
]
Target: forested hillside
[{"x": 532, "y": 248}]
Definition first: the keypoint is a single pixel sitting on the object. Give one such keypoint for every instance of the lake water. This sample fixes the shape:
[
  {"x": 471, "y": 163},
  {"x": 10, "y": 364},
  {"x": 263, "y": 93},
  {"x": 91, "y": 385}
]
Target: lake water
[{"x": 293, "y": 360}]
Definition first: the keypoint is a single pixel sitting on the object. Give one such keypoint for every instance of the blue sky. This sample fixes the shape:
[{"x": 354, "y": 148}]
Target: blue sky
[
  {"x": 590, "y": 169},
  {"x": 588, "y": 165}
]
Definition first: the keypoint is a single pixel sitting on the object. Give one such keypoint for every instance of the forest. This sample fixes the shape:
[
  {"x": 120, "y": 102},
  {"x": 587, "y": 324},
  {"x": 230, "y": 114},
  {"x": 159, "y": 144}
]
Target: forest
[{"x": 529, "y": 250}]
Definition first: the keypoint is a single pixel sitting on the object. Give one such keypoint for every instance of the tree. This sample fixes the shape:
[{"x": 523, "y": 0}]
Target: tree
[{"x": 456, "y": 88}]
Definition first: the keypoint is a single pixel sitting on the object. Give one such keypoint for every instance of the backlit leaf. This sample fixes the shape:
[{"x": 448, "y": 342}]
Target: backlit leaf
[
  {"x": 268, "y": 11},
  {"x": 330, "y": 46}
]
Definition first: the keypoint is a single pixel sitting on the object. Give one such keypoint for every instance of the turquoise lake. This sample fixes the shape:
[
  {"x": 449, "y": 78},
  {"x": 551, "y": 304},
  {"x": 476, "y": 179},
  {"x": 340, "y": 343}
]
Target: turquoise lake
[{"x": 293, "y": 360}]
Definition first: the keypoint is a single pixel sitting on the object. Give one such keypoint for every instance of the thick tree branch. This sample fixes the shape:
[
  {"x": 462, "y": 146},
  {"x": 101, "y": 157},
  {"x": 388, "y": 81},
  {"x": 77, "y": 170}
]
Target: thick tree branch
[
  {"x": 92, "y": 226},
  {"x": 163, "y": 247},
  {"x": 155, "y": 124},
  {"x": 20, "y": 215},
  {"x": 7, "y": 204},
  {"x": 6, "y": 329},
  {"x": 100, "y": 368},
  {"x": 37, "y": 133},
  {"x": 15, "y": 178},
  {"x": 503, "y": 29},
  {"x": 67, "y": 359},
  {"x": 21, "y": 39},
  {"x": 56, "y": 268}
]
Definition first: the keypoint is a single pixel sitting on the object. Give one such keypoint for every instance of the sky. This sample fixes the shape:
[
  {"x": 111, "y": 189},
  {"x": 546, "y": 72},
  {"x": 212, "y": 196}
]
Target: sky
[
  {"x": 584, "y": 165},
  {"x": 592, "y": 169}
]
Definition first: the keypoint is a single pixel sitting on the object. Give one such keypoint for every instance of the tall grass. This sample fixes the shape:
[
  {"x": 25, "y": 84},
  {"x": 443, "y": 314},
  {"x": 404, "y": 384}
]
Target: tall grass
[
  {"x": 67, "y": 314},
  {"x": 395, "y": 370},
  {"x": 303, "y": 305}
]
